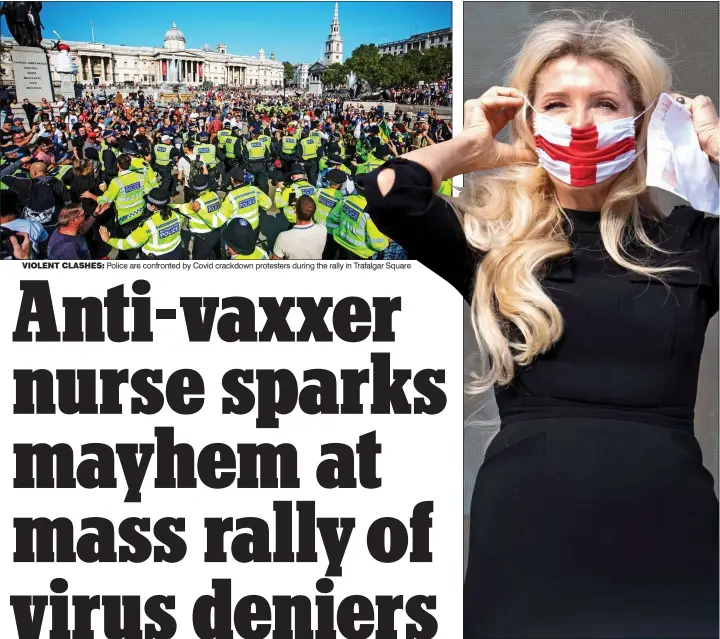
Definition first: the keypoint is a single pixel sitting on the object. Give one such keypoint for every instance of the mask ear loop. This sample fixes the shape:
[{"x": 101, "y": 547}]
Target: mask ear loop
[
  {"x": 527, "y": 101},
  {"x": 652, "y": 103}
]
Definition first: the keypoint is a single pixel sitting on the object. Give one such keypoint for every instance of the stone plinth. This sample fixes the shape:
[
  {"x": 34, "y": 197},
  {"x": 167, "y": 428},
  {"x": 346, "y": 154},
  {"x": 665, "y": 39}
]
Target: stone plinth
[{"x": 32, "y": 74}]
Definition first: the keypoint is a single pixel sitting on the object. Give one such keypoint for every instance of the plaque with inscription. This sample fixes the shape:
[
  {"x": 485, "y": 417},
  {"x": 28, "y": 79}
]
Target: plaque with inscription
[{"x": 32, "y": 74}]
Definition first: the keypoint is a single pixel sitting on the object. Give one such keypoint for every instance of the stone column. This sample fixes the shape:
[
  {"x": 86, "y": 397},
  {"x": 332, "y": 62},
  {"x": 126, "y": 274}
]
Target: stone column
[{"x": 102, "y": 70}]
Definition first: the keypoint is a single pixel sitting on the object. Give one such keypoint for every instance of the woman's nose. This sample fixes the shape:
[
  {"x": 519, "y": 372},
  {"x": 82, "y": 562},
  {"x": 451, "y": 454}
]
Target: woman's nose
[{"x": 581, "y": 117}]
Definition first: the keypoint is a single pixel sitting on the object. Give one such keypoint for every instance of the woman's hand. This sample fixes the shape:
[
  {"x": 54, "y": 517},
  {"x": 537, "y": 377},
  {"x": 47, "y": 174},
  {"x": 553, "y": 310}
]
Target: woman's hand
[
  {"x": 484, "y": 119},
  {"x": 705, "y": 122},
  {"x": 475, "y": 148},
  {"x": 104, "y": 234}
]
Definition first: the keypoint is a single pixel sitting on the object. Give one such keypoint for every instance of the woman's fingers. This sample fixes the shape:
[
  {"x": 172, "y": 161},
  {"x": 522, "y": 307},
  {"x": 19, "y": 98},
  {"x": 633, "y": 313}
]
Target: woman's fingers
[{"x": 705, "y": 123}]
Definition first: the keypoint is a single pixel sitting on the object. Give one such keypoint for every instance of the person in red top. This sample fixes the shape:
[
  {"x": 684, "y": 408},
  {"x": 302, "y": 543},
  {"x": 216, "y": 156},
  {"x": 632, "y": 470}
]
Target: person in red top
[{"x": 214, "y": 126}]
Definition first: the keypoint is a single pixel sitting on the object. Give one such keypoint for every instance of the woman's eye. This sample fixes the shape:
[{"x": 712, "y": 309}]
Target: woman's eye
[
  {"x": 553, "y": 105},
  {"x": 606, "y": 104}
]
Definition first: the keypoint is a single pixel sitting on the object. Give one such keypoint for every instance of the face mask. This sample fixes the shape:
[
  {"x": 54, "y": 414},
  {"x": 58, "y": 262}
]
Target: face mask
[
  {"x": 585, "y": 156},
  {"x": 676, "y": 163}
]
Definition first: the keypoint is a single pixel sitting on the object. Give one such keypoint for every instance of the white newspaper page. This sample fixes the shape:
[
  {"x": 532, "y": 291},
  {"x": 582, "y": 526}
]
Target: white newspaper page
[{"x": 219, "y": 451}]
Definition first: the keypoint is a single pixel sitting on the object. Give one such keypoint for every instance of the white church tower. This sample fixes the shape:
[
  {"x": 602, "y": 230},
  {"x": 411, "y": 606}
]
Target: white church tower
[{"x": 334, "y": 43}]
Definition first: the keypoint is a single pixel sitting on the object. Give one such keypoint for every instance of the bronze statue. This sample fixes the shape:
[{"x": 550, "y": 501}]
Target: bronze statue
[{"x": 23, "y": 20}]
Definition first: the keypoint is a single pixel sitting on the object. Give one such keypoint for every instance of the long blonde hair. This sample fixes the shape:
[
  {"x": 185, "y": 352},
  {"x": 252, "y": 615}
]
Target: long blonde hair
[{"x": 514, "y": 218}]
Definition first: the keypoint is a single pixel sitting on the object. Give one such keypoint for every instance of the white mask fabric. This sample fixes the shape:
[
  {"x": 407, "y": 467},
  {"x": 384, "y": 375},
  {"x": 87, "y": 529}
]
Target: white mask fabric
[
  {"x": 584, "y": 156},
  {"x": 675, "y": 161}
]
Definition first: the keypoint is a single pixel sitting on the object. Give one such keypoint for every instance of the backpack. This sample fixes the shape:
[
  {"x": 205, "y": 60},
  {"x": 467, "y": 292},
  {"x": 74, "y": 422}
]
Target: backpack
[{"x": 196, "y": 168}]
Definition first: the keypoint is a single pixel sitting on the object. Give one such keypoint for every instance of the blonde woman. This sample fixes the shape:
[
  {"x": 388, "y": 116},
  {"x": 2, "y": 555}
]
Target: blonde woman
[{"x": 592, "y": 515}]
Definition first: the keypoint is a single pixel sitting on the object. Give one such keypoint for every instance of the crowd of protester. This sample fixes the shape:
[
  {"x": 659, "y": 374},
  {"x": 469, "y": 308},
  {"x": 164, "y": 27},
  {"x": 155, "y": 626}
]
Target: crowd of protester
[
  {"x": 228, "y": 174},
  {"x": 436, "y": 94}
]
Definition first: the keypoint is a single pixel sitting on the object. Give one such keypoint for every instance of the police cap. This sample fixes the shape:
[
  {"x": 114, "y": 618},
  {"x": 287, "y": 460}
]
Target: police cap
[
  {"x": 203, "y": 136},
  {"x": 336, "y": 176},
  {"x": 91, "y": 153},
  {"x": 158, "y": 197},
  {"x": 200, "y": 182}
]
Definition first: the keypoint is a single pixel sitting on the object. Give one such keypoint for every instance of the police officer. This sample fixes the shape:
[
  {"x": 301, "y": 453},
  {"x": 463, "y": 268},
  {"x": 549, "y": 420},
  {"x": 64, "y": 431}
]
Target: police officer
[
  {"x": 286, "y": 196},
  {"x": 326, "y": 199},
  {"x": 375, "y": 160},
  {"x": 224, "y": 133},
  {"x": 127, "y": 191},
  {"x": 109, "y": 151},
  {"x": 239, "y": 241},
  {"x": 308, "y": 151},
  {"x": 140, "y": 164},
  {"x": 318, "y": 133},
  {"x": 288, "y": 148},
  {"x": 334, "y": 162},
  {"x": 266, "y": 139},
  {"x": 164, "y": 157},
  {"x": 63, "y": 170},
  {"x": 244, "y": 200},
  {"x": 233, "y": 149},
  {"x": 255, "y": 155},
  {"x": 205, "y": 220},
  {"x": 158, "y": 236},
  {"x": 212, "y": 156},
  {"x": 354, "y": 232}
]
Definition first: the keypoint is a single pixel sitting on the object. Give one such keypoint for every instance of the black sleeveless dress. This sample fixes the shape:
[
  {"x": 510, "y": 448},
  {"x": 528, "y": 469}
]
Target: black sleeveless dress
[{"x": 592, "y": 514}]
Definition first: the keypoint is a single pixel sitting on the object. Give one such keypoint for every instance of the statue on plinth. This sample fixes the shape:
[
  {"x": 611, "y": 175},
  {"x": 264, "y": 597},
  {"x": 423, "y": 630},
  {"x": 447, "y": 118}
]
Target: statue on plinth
[{"x": 23, "y": 20}]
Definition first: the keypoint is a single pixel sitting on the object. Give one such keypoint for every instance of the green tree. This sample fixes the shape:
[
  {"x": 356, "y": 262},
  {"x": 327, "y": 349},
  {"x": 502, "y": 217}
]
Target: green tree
[
  {"x": 365, "y": 61},
  {"x": 410, "y": 71},
  {"x": 435, "y": 63},
  {"x": 289, "y": 73},
  {"x": 335, "y": 75}
]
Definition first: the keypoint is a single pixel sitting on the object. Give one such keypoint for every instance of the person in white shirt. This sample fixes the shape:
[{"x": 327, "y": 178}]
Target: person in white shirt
[
  {"x": 183, "y": 167},
  {"x": 306, "y": 240},
  {"x": 10, "y": 220}
]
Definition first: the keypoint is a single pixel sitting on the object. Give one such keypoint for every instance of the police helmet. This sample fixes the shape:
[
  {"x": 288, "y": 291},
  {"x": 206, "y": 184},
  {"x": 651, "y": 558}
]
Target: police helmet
[{"x": 239, "y": 235}]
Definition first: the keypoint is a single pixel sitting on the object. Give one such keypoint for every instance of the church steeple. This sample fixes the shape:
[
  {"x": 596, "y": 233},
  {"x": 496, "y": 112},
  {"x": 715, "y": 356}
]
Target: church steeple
[{"x": 334, "y": 43}]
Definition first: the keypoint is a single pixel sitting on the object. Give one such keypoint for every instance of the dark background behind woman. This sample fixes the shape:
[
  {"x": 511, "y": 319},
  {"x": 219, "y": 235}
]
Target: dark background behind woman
[{"x": 688, "y": 35}]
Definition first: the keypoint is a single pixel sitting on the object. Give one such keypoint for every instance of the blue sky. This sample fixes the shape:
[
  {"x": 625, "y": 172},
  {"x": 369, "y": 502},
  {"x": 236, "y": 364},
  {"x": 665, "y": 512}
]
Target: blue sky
[{"x": 295, "y": 31}]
